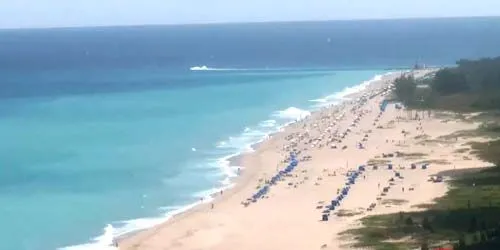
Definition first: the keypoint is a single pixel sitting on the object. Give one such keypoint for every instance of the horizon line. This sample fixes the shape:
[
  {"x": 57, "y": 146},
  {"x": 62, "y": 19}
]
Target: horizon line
[{"x": 246, "y": 22}]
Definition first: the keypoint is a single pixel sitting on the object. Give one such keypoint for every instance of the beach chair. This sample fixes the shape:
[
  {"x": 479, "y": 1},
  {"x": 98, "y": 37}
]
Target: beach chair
[
  {"x": 413, "y": 166},
  {"x": 389, "y": 166},
  {"x": 438, "y": 179},
  {"x": 424, "y": 166},
  {"x": 324, "y": 217},
  {"x": 344, "y": 191}
]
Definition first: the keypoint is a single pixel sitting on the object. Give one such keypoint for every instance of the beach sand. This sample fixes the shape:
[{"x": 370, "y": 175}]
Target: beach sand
[{"x": 289, "y": 215}]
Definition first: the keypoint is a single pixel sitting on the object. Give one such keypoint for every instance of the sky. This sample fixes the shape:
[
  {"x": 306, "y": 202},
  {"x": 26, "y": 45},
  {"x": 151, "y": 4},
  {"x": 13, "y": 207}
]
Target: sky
[{"x": 71, "y": 13}]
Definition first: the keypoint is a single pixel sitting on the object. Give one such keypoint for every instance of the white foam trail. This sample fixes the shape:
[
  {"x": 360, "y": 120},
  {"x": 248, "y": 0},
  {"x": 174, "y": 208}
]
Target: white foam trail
[
  {"x": 206, "y": 68},
  {"x": 200, "y": 68}
]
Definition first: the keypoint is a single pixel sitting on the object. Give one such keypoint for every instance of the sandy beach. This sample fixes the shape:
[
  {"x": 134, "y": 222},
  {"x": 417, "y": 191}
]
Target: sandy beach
[{"x": 329, "y": 145}]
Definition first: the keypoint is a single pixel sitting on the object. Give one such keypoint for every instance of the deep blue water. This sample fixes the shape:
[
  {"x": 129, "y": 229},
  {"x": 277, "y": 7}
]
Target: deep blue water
[{"x": 103, "y": 126}]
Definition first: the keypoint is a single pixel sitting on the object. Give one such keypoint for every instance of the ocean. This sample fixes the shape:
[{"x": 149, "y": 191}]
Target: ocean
[{"x": 105, "y": 131}]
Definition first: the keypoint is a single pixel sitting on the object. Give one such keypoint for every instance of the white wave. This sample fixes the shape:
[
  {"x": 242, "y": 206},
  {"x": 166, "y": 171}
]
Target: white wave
[
  {"x": 342, "y": 95},
  {"x": 320, "y": 100},
  {"x": 292, "y": 113},
  {"x": 169, "y": 208},
  {"x": 355, "y": 89},
  {"x": 103, "y": 242},
  {"x": 268, "y": 123},
  {"x": 235, "y": 146},
  {"x": 206, "y": 194},
  {"x": 243, "y": 143}
]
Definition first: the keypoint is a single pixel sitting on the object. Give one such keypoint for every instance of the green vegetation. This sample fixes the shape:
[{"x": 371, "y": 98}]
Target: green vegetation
[
  {"x": 376, "y": 162},
  {"x": 468, "y": 216},
  {"x": 488, "y": 151},
  {"x": 471, "y": 85},
  {"x": 416, "y": 155},
  {"x": 347, "y": 213},
  {"x": 395, "y": 202},
  {"x": 469, "y": 213}
]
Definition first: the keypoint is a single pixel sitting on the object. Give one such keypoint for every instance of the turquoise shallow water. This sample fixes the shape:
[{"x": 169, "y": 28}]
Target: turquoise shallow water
[{"x": 78, "y": 162}]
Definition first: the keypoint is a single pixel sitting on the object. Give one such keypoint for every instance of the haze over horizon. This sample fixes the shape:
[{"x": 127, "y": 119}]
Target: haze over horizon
[{"x": 89, "y": 13}]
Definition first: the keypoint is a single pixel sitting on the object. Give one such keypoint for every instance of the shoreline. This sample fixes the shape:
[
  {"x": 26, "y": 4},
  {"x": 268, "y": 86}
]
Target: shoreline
[
  {"x": 249, "y": 170},
  {"x": 252, "y": 165}
]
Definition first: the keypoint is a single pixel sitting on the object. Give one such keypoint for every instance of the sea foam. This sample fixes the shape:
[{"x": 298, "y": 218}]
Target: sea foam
[
  {"x": 233, "y": 146},
  {"x": 340, "y": 96},
  {"x": 292, "y": 113}
]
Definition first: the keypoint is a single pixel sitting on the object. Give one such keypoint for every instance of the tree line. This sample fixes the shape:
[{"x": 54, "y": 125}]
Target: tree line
[{"x": 470, "y": 85}]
